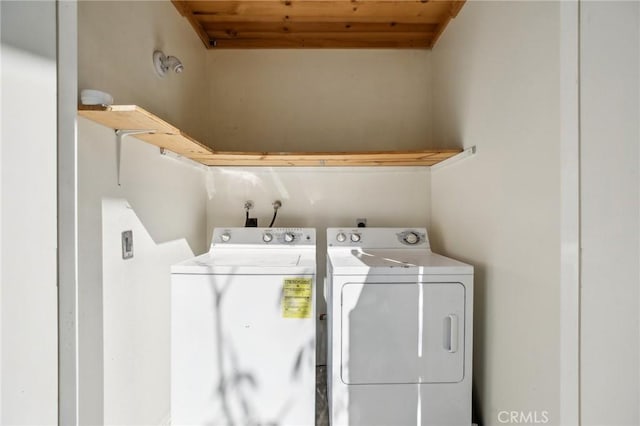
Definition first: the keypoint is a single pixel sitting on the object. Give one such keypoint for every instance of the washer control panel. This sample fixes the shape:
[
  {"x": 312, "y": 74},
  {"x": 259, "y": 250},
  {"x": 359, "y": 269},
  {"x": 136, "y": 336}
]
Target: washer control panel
[
  {"x": 378, "y": 237},
  {"x": 264, "y": 236}
]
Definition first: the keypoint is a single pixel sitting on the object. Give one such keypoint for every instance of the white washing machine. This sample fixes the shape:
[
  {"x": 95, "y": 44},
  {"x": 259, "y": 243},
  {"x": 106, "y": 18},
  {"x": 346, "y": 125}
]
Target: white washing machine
[
  {"x": 400, "y": 330},
  {"x": 243, "y": 330}
]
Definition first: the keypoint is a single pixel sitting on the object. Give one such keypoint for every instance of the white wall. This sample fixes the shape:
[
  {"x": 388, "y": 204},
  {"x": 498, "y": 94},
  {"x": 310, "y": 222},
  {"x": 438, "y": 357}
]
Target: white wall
[
  {"x": 496, "y": 85},
  {"x": 116, "y": 42},
  {"x": 321, "y": 198},
  {"x": 319, "y": 100},
  {"x": 28, "y": 325},
  {"x": 610, "y": 219},
  {"x": 167, "y": 200},
  {"x": 136, "y": 325}
]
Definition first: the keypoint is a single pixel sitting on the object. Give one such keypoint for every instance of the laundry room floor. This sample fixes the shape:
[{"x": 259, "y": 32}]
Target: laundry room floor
[{"x": 322, "y": 407}]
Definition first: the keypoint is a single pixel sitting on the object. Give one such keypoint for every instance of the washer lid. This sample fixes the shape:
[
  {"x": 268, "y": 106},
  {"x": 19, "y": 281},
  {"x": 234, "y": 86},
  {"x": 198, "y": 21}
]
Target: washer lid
[
  {"x": 358, "y": 261},
  {"x": 250, "y": 261}
]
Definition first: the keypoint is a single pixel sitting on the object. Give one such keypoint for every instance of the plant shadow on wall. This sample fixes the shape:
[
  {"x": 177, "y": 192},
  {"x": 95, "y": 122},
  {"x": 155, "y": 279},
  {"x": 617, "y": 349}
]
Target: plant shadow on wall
[{"x": 241, "y": 385}]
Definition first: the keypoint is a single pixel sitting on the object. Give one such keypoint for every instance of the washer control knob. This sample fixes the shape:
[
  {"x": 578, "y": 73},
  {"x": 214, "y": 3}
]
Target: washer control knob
[
  {"x": 225, "y": 237},
  {"x": 267, "y": 237},
  {"x": 341, "y": 237},
  {"x": 289, "y": 237},
  {"x": 411, "y": 238},
  {"x": 355, "y": 237}
]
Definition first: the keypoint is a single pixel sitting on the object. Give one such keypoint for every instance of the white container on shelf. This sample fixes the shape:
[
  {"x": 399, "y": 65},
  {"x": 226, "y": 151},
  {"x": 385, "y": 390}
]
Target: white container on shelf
[{"x": 95, "y": 97}]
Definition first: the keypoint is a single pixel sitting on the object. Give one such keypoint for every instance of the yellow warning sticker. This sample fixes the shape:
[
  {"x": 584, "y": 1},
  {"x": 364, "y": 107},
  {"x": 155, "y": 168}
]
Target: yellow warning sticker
[{"x": 296, "y": 298}]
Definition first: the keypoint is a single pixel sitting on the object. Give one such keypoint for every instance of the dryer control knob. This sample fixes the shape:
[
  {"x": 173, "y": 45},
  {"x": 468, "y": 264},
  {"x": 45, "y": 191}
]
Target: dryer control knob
[
  {"x": 267, "y": 237},
  {"x": 355, "y": 237},
  {"x": 225, "y": 237},
  {"x": 411, "y": 238},
  {"x": 341, "y": 237},
  {"x": 289, "y": 237}
]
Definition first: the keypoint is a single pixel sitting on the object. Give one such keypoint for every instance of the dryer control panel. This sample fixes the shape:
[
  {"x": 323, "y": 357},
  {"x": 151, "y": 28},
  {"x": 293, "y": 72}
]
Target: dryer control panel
[
  {"x": 264, "y": 236},
  {"x": 378, "y": 238}
]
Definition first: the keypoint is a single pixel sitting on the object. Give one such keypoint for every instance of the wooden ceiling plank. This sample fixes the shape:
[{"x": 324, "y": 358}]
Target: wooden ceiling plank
[
  {"x": 315, "y": 27},
  {"x": 324, "y": 11},
  {"x": 328, "y": 43},
  {"x": 286, "y": 19},
  {"x": 344, "y": 36},
  {"x": 194, "y": 4}
]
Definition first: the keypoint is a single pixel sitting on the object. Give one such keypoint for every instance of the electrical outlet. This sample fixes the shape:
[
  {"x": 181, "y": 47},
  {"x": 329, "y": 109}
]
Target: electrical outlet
[
  {"x": 361, "y": 222},
  {"x": 127, "y": 244}
]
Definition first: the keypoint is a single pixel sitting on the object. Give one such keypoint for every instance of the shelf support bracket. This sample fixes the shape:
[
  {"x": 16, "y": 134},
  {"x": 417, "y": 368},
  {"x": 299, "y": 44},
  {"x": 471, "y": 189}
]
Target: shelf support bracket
[
  {"x": 120, "y": 135},
  {"x": 467, "y": 152}
]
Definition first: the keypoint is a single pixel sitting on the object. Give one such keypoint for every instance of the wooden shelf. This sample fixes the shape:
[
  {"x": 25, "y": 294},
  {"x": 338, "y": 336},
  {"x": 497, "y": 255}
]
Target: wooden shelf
[
  {"x": 132, "y": 117},
  {"x": 379, "y": 158}
]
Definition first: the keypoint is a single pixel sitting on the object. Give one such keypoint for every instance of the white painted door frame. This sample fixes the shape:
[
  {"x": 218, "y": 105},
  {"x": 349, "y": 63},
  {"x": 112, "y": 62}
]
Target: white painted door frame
[{"x": 67, "y": 62}]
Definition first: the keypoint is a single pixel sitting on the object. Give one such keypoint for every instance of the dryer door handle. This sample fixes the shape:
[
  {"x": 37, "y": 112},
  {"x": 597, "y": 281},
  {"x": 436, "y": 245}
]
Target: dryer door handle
[{"x": 450, "y": 333}]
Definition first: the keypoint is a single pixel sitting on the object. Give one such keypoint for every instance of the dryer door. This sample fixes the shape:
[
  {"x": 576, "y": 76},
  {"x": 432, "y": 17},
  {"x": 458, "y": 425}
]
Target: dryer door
[{"x": 402, "y": 333}]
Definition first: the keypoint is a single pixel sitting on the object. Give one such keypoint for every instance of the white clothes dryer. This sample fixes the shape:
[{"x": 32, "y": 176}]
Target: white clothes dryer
[
  {"x": 400, "y": 330},
  {"x": 243, "y": 330}
]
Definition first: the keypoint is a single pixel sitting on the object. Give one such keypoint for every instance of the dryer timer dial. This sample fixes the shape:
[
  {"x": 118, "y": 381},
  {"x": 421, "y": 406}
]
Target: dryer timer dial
[{"x": 412, "y": 238}]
